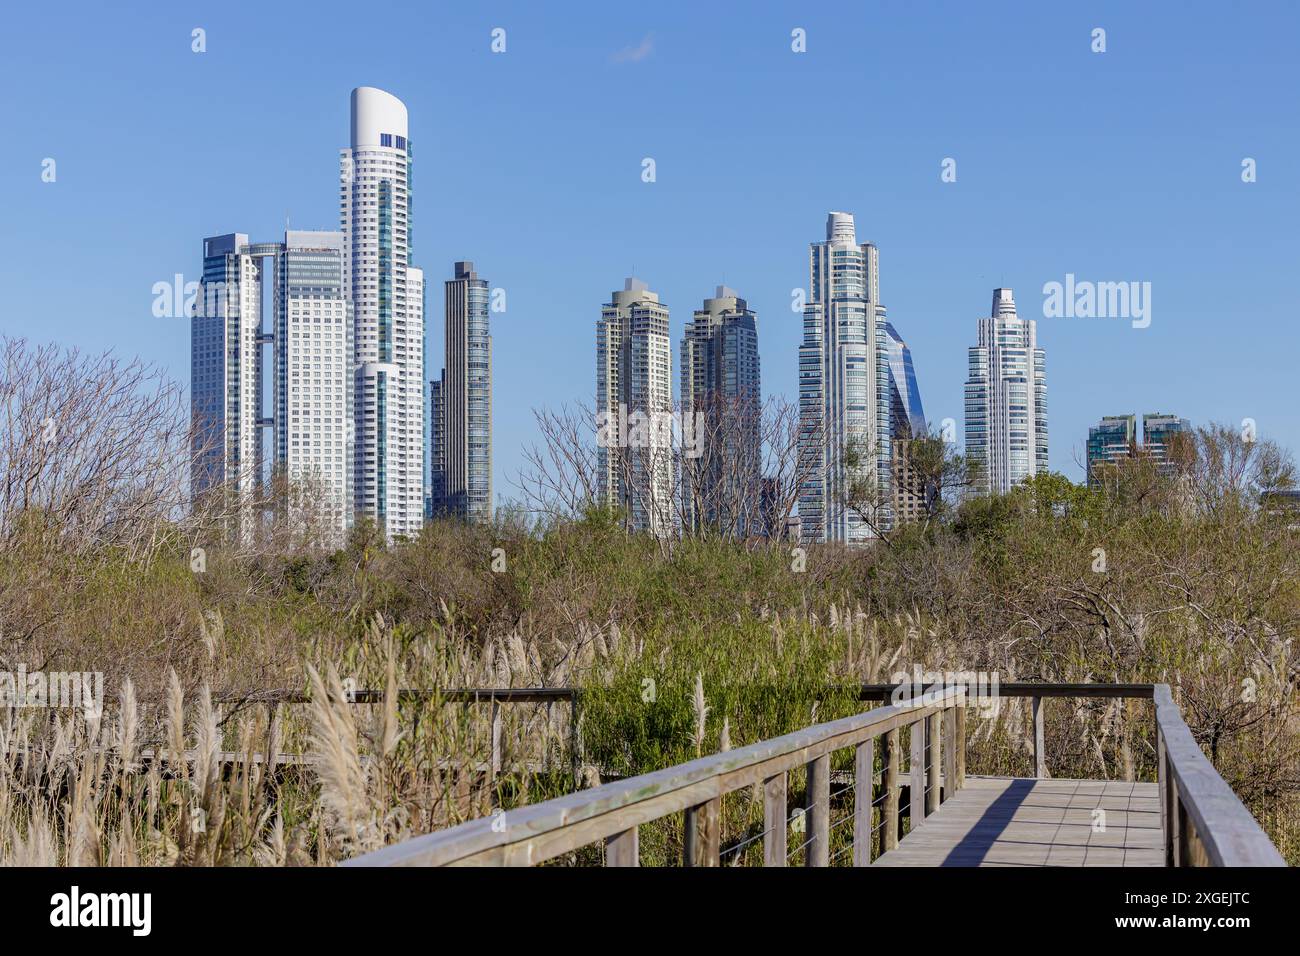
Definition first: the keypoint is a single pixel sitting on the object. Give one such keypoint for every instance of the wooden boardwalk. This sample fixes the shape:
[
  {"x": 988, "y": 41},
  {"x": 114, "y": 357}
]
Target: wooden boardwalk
[
  {"x": 1005, "y": 821},
  {"x": 1188, "y": 817}
]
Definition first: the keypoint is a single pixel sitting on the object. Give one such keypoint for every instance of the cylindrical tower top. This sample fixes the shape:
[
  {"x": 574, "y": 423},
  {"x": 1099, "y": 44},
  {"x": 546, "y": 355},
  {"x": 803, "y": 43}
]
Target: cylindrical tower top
[
  {"x": 375, "y": 112},
  {"x": 839, "y": 228},
  {"x": 1003, "y": 303}
]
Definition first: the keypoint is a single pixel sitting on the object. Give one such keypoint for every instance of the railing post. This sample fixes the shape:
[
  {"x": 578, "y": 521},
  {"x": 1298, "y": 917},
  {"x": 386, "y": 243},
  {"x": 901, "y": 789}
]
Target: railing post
[
  {"x": 272, "y": 738},
  {"x": 1163, "y": 785},
  {"x": 889, "y": 784},
  {"x": 864, "y": 772},
  {"x": 546, "y": 736},
  {"x": 935, "y": 750},
  {"x": 1181, "y": 856},
  {"x": 959, "y": 751},
  {"x": 916, "y": 775},
  {"x": 774, "y": 817},
  {"x": 1040, "y": 750},
  {"x": 703, "y": 841},
  {"x": 623, "y": 849},
  {"x": 575, "y": 743},
  {"x": 819, "y": 811},
  {"x": 949, "y": 752},
  {"x": 496, "y": 737}
]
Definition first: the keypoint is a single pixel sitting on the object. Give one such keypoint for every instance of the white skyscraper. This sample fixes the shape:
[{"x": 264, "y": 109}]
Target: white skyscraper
[
  {"x": 311, "y": 413},
  {"x": 1006, "y": 400},
  {"x": 387, "y": 296},
  {"x": 844, "y": 385},
  {"x": 314, "y": 430},
  {"x": 634, "y": 402}
]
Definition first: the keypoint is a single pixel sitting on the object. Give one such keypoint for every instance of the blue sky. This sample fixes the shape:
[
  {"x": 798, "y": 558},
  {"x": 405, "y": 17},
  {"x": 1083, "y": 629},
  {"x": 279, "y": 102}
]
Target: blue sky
[{"x": 1118, "y": 166}]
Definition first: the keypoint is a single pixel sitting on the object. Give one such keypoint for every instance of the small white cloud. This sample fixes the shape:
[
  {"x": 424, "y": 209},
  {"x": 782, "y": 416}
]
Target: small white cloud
[{"x": 635, "y": 54}]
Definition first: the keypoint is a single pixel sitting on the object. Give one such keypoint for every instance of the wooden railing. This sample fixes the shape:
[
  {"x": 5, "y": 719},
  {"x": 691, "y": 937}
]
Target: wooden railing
[
  {"x": 494, "y": 697},
  {"x": 613, "y": 813},
  {"x": 1203, "y": 821}
]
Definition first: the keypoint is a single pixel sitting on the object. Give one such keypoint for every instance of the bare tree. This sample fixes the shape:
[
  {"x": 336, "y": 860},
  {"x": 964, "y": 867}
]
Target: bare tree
[
  {"x": 94, "y": 451},
  {"x": 1225, "y": 468},
  {"x": 561, "y": 476},
  {"x": 729, "y": 469}
]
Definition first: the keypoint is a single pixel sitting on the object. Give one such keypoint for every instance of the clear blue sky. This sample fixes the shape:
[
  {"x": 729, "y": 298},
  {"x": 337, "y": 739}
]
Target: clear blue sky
[{"x": 1124, "y": 165}]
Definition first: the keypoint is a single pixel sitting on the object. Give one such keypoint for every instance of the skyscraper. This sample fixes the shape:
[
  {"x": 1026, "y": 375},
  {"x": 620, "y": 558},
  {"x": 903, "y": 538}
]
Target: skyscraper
[
  {"x": 906, "y": 415},
  {"x": 1006, "y": 400},
  {"x": 634, "y": 403},
  {"x": 226, "y": 378},
  {"x": 387, "y": 296},
  {"x": 721, "y": 390},
  {"x": 911, "y": 488},
  {"x": 1116, "y": 438},
  {"x": 311, "y": 415},
  {"x": 1113, "y": 439},
  {"x": 314, "y": 424},
  {"x": 844, "y": 398},
  {"x": 461, "y": 433},
  {"x": 1159, "y": 433}
]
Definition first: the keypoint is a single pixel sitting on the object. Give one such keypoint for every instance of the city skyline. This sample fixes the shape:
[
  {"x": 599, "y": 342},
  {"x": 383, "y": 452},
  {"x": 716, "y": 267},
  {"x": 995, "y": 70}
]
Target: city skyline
[{"x": 1022, "y": 211}]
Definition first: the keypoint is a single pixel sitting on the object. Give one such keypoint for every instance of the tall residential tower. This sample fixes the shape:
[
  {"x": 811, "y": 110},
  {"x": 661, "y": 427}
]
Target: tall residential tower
[
  {"x": 634, "y": 403},
  {"x": 721, "y": 392},
  {"x": 844, "y": 390},
  {"x": 912, "y": 491},
  {"x": 311, "y": 390},
  {"x": 387, "y": 296},
  {"x": 226, "y": 371},
  {"x": 461, "y": 431},
  {"x": 1006, "y": 400},
  {"x": 1115, "y": 438},
  {"x": 314, "y": 427}
]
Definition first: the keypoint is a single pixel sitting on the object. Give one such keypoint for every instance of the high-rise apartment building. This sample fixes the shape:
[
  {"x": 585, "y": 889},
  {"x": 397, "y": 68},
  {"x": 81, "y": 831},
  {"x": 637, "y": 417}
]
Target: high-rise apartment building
[
  {"x": 1159, "y": 433},
  {"x": 1109, "y": 441},
  {"x": 911, "y": 489},
  {"x": 721, "y": 403},
  {"x": 634, "y": 403},
  {"x": 461, "y": 431},
  {"x": 844, "y": 383},
  {"x": 226, "y": 378},
  {"x": 387, "y": 296},
  {"x": 1116, "y": 438},
  {"x": 906, "y": 414},
  {"x": 1006, "y": 400},
  {"x": 311, "y": 413},
  {"x": 314, "y": 422}
]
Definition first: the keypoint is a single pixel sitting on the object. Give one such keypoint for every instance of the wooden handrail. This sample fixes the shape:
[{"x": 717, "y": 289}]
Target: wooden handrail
[
  {"x": 1203, "y": 820},
  {"x": 533, "y": 834},
  {"x": 540, "y": 695}
]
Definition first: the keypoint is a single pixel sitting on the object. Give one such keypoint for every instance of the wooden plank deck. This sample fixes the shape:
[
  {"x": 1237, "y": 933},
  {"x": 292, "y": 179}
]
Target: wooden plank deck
[{"x": 1007, "y": 821}]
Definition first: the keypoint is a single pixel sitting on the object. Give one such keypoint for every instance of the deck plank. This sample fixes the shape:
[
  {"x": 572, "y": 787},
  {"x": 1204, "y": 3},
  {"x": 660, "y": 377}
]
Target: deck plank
[{"x": 1008, "y": 821}]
